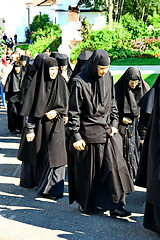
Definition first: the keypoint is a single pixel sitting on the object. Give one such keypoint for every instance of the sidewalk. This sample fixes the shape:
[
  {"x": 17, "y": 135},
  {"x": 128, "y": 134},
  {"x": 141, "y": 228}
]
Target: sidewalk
[
  {"x": 145, "y": 69},
  {"x": 24, "y": 216}
]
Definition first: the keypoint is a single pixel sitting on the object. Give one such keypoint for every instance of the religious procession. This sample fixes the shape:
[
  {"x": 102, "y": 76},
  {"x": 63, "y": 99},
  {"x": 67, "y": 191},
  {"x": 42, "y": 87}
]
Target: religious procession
[{"x": 77, "y": 125}]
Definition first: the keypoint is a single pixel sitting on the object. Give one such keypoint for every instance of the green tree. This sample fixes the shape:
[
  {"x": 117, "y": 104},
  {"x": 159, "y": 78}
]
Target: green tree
[
  {"x": 39, "y": 22},
  {"x": 141, "y": 8}
]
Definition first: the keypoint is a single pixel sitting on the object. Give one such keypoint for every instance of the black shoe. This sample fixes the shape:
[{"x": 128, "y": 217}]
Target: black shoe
[
  {"x": 81, "y": 209},
  {"x": 120, "y": 212}
]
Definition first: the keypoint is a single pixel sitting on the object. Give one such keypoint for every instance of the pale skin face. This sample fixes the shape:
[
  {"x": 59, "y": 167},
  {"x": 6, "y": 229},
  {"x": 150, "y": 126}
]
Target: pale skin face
[
  {"x": 17, "y": 69},
  {"x": 23, "y": 63},
  {"x": 53, "y": 71},
  {"x": 63, "y": 68},
  {"x": 133, "y": 84},
  {"x": 102, "y": 70}
]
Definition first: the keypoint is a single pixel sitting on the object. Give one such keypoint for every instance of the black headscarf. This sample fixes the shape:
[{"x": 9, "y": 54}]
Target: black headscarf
[
  {"x": 46, "y": 94},
  {"x": 127, "y": 98},
  {"x": 24, "y": 58},
  {"x": 90, "y": 70},
  {"x": 63, "y": 60},
  {"x": 82, "y": 58},
  {"x": 147, "y": 102},
  {"x": 54, "y": 54},
  {"x": 37, "y": 63},
  {"x": 14, "y": 80}
]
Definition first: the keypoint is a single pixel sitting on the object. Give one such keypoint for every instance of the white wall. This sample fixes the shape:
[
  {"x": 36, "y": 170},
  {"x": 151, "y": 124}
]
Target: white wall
[{"x": 16, "y": 16}]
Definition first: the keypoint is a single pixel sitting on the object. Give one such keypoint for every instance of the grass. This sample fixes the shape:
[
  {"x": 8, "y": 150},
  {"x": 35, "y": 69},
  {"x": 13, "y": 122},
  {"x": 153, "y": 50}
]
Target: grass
[
  {"x": 149, "y": 78},
  {"x": 136, "y": 61}
]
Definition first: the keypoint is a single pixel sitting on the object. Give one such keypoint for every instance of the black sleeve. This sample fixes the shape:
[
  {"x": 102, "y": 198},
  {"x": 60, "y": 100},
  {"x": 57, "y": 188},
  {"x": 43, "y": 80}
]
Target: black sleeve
[
  {"x": 30, "y": 124},
  {"x": 114, "y": 110},
  {"x": 143, "y": 123},
  {"x": 75, "y": 103}
]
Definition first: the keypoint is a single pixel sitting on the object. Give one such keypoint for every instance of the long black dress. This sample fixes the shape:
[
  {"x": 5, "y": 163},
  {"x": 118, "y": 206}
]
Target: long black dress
[
  {"x": 12, "y": 91},
  {"x": 151, "y": 149},
  {"x": 47, "y": 151},
  {"x": 127, "y": 102},
  {"x": 146, "y": 104},
  {"x": 98, "y": 175}
]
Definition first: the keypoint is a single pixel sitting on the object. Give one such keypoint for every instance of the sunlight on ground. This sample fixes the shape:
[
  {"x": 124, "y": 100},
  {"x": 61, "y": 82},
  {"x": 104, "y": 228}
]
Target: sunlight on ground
[{"x": 14, "y": 230}]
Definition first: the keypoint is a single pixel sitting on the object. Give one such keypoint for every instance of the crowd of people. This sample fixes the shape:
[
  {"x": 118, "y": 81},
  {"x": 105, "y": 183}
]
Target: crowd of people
[{"x": 105, "y": 133}]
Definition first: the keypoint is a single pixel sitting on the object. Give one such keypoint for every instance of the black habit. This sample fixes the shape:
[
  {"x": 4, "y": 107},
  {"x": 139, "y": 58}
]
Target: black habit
[
  {"x": 127, "y": 102},
  {"x": 12, "y": 91},
  {"x": 146, "y": 104},
  {"x": 152, "y": 157},
  {"x": 47, "y": 151},
  {"x": 92, "y": 111}
]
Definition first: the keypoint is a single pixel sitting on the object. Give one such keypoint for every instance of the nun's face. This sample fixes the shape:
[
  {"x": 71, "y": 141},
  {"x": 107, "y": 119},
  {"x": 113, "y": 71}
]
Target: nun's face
[
  {"x": 23, "y": 63},
  {"x": 102, "y": 70},
  {"x": 133, "y": 83},
  {"x": 63, "y": 68},
  {"x": 17, "y": 69},
  {"x": 53, "y": 71}
]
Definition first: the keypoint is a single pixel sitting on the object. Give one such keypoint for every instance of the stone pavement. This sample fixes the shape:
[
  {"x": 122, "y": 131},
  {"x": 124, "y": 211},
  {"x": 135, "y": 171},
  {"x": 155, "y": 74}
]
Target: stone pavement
[{"x": 24, "y": 216}]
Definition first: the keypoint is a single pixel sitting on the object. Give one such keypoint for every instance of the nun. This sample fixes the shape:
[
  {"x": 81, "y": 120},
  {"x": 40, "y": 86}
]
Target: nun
[
  {"x": 130, "y": 88},
  {"x": 12, "y": 90},
  {"x": 43, "y": 139},
  {"x": 98, "y": 179},
  {"x": 150, "y": 157}
]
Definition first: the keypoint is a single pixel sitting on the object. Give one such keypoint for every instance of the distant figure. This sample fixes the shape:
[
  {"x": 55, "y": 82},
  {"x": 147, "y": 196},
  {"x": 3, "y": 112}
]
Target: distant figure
[
  {"x": 10, "y": 43},
  {"x": 15, "y": 38},
  {"x": 5, "y": 37}
]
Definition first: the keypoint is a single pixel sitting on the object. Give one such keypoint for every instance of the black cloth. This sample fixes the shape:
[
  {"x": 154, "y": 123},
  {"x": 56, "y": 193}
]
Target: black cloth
[
  {"x": 127, "y": 102},
  {"x": 146, "y": 104},
  {"x": 45, "y": 94},
  {"x": 82, "y": 58},
  {"x": 127, "y": 98},
  {"x": 12, "y": 91},
  {"x": 92, "y": 111},
  {"x": 63, "y": 60},
  {"x": 91, "y": 119},
  {"x": 150, "y": 156},
  {"x": 32, "y": 71}
]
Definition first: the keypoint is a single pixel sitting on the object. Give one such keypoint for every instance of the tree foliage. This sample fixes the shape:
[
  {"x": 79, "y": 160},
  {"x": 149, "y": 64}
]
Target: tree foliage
[{"x": 39, "y": 22}]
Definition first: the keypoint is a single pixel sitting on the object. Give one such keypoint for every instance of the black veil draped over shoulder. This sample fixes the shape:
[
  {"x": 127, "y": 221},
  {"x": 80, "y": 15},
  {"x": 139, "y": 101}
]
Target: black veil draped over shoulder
[
  {"x": 45, "y": 93},
  {"x": 127, "y": 99}
]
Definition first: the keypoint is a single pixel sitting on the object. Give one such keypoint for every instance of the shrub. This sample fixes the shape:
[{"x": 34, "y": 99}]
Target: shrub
[{"x": 44, "y": 42}]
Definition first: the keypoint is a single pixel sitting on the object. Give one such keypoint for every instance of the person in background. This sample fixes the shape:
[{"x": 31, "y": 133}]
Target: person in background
[
  {"x": 130, "y": 88},
  {"x": 12, "y": 89},
  {"x": 64, "y": 66},
  {"x": 15, "y": 38},
  {"x": 6, "y": 68},
  {"x": 98, "y": 179}
]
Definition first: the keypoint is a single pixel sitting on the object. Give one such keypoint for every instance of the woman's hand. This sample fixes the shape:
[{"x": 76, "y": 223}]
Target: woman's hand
[
  {"x": 79, "y": 145},
  {"x": 51, "y": 114},
  {"x": 126, "y": 120},
  {"x": 65, "y": 120},
  {"x": 113, "y": 131},
  {"x": 30, "y": 137}
]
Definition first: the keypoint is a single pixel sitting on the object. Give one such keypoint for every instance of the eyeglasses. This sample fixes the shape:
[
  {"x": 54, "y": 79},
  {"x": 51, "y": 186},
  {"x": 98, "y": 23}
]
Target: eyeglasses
[{"x": 134, "y": 81}]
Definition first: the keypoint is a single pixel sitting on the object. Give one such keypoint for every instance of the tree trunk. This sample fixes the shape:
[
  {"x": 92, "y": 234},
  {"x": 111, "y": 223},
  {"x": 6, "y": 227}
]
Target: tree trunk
[{"x": 110, "y": 11}]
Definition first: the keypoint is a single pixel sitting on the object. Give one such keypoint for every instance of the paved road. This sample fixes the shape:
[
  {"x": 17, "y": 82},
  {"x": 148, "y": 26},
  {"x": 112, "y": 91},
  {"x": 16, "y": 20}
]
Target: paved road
[
  {"x": 24, "y": 216},
  {"x": 147, "y": 69}
]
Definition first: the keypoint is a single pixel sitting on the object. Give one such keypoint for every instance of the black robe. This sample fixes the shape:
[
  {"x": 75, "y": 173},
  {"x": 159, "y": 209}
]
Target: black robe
[
  {"x": 44, "y": 95},
  {"x": 12, "y": 91},
  {"x": 82, "y": 58},
  {"x": 127, "y": 102},
  {"x": 92, "y": 111},
  {"x": 151, "y": 149},
  {"x": 146, "y": 104}
]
